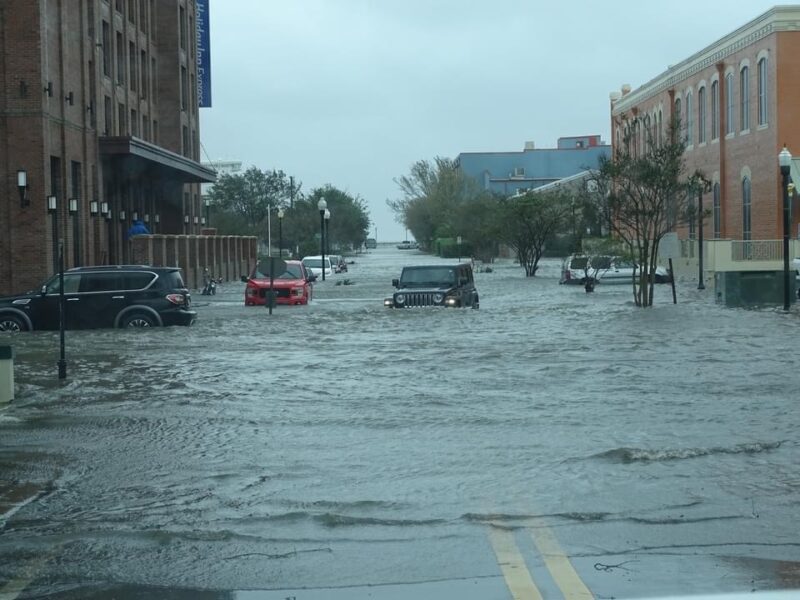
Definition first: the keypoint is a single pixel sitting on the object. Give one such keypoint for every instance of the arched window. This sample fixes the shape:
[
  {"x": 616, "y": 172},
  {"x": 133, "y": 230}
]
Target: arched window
[
  {"x": 714, "y": 110},
  {"x": 744, "y": 98},
  {"x": 689, "y": 120},
  {"x": 746, "y": 217},
  {"x": 729, "y": 116},
  {"x": 762, "y": 92},
  {"x": 676, "y": 116},
  {"x": 659, "y": 127},
  {"x": 701, "y": 115},
  {"x": 717, "y": 212}
]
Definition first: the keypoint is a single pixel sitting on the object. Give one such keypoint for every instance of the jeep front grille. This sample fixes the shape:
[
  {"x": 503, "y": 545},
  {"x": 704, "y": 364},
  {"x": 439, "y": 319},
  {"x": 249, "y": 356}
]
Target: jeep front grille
[{"x": 420, "y": 299}]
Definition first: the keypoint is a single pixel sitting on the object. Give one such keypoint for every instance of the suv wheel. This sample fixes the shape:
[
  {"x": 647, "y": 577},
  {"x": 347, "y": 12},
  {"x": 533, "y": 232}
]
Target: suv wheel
[
  {"x": 12, "y": 323},
  {"x": 138, "y": 320}
]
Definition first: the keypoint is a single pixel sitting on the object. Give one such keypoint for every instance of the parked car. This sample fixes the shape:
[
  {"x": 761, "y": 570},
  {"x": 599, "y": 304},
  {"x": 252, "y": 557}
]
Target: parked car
[
  {"x": 574, "y": 269},
  {"x": 315, "y": 264},
  {"x": 434, "y": 285},
  {"x": 337, "y": 263},
  {"x": 407, "y": 245},
  {"x": 614, "y": 269},
  {"x": 293, "y": 286},
  {"x": 108, "y": 296}
]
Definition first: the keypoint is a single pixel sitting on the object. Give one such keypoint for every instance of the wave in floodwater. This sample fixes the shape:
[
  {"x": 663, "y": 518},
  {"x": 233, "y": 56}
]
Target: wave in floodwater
[{"x": 630, "y": 455}]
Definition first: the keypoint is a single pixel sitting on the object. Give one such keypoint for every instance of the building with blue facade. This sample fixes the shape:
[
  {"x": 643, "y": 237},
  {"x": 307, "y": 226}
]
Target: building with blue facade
[{"x": 508, "y": 173}]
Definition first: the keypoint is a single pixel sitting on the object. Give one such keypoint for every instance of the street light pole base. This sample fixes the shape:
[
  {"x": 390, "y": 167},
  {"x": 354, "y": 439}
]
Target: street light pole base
[{"x": 62, "y": 369}]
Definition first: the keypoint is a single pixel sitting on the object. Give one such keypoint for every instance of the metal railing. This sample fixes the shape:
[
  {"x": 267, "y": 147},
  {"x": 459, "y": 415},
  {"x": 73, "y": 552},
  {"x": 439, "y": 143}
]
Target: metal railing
[{"x": 756, "y": 250}]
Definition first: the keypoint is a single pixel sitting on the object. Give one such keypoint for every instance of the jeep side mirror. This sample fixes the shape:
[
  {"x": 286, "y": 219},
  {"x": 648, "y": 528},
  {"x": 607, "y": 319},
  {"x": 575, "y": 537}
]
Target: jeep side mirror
[
  {"x": 44, "y": 290},
  {"x": 311, "y": 277},
  {"x": 244, "y": 278},
  {"x": 396, "y": 283}
]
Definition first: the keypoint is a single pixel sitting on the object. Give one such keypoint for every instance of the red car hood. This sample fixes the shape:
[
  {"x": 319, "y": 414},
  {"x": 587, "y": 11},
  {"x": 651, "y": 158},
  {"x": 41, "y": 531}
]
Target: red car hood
[{"x": 277, "y": 283}]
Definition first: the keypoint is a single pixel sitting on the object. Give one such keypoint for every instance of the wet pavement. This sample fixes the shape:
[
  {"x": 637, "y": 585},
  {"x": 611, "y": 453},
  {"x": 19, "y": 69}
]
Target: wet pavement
[{"x": 553, "y": 442}]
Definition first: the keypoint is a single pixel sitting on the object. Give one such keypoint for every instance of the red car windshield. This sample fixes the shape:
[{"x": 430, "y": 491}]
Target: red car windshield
[{"x": 292, "y": 272}]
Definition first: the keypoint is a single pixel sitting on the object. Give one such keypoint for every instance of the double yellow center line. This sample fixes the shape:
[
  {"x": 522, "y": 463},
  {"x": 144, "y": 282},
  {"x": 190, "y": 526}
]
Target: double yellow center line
[{"x": 516, "y": 573}]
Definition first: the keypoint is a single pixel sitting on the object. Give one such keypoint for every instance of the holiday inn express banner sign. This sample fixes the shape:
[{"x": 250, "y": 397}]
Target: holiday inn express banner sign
[{"x": 203, "y": 55}]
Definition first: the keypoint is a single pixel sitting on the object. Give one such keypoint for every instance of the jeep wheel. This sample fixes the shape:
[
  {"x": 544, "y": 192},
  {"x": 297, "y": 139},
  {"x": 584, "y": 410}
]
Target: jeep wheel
[
  {"x": 12, "y": 323},
  {"x": 137, "y": 320}
]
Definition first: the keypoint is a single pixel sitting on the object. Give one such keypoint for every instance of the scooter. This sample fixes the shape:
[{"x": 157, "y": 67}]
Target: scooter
[{"x": 209, "y": 284}]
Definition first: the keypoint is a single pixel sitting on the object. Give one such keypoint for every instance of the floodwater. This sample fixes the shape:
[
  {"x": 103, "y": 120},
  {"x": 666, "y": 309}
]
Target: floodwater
[{"x": 346, "y": 445}]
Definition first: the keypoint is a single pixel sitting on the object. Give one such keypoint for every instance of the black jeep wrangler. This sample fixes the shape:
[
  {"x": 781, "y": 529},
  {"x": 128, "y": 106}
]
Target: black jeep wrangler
[{"x": 434, "y": 285}]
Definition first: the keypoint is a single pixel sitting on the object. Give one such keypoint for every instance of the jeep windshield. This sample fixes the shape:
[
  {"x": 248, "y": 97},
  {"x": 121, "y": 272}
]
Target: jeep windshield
[{"x": 428, "y": 277}]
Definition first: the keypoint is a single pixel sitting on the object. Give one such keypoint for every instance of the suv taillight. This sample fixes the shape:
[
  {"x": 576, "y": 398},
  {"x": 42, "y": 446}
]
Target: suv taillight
[{"x": 177, "y": 299}]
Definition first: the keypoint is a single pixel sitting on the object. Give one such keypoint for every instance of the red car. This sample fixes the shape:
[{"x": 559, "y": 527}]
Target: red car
[{"x": 291, "y": 287}]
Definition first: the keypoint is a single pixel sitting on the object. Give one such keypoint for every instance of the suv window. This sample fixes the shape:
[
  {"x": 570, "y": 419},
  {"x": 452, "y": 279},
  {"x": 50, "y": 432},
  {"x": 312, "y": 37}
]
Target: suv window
[
  {"x": 72, "y": 282},
  {"x": 137, "y": 281},
  {"x": 100, "y": 282},
  {"x": 173, "y": 280}
]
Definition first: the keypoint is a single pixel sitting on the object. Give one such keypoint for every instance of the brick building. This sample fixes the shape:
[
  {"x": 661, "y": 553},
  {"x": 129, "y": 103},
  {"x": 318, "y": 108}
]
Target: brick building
[
  {"x": 737, "y": 103},
  {"x": 99, "y": 110}
]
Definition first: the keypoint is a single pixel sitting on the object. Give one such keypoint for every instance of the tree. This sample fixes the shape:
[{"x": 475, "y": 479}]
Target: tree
[
  {"x": 645, "y": 194},
  {"x": 252, "y": 194},
  {"x": 528, "y": 221}
]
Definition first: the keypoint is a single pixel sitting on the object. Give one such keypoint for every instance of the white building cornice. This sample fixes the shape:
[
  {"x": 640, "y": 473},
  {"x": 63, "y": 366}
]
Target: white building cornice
[{"x": 777, "y": 19}]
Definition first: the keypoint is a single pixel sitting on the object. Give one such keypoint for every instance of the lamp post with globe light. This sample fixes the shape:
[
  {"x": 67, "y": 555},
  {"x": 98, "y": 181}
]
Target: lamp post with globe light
[
  {"x": 322, "y": 206},
  {"x": 785, "y": 163}
]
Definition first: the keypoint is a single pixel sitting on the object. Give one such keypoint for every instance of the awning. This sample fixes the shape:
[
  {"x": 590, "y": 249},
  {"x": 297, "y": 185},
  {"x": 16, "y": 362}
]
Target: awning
[{"x": 136, "y": 158}]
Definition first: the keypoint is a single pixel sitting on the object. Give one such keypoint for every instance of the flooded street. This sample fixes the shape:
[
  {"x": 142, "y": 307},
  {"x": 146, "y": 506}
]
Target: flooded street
[{"x": 346, "y": 445}]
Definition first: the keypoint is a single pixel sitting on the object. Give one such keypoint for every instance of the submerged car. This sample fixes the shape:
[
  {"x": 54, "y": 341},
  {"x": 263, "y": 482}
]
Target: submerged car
[
  {"x": 107, "y": 296},
  {"x": 434, "y": 285},
  {"x": 574, "y": 269},
  {"x": 613, "y": 269},
  {"x": 293, "y": 286}
]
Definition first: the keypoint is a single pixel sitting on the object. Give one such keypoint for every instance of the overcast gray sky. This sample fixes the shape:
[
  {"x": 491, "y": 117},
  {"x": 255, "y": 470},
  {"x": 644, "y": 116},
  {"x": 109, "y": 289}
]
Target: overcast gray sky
[{"x": 352, "y": 92}]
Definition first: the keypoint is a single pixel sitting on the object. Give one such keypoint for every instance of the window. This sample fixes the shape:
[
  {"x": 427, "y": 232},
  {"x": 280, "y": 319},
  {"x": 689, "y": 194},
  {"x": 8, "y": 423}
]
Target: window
[
  {"x": 134, "y": 123},
  {"x": 659, "y": 127},
  {"x": 106, "y": 49},
  {"x": 132, "y": 64},
  {"x": 717, "y": 212},
  {"x": 744, "y": 99},
  {"x": 689, "y": 120},
  {"x": 701, "y": 116},
  {"x": 132, "y": 11},
  {"x": 155, "y": 131},
  {"x": 145, "y": 128},
  {"x": 121, "y": 130},
  {"x": 746, "y": 222},
  {"x": 118, "y": 5},
  {"x": 677, "y": 115},
  {"x": 729, "y": 116},
  {"x": 182, "y": 26},
  {"x": 143, "y": 15},
  {"x": 77, "y": 185},
  {"x": 184, "y": 89},
  {"x": 120, "y": 60},
  {"x": 154, "y": 75},
  {"x": 185, "y": 141},
  {"x": 107, "y": 115},
  {"x": 762, "y": 92},
  {"x": 715, "y": 110},
  {"x": 144, "y": 74}
]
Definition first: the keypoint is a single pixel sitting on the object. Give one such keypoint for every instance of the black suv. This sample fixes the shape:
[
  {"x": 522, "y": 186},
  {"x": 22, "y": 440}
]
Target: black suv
[
  {"x": 109, "y": 296},
  {"x": 434, "y": 285}
]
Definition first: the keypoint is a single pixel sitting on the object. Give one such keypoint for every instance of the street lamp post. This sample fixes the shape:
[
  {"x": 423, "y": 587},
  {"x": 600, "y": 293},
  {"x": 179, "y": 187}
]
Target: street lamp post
[
  {"x": 281, "y": 214},
  {"x": 208, "y": 213},
  {"x": 322, "y": 206},
  {"x": 327, "y": 232},
  {"x": 52, "y": 207},
  {"x": 785, "y": 162},
  {"x": 704, "y": 187}
]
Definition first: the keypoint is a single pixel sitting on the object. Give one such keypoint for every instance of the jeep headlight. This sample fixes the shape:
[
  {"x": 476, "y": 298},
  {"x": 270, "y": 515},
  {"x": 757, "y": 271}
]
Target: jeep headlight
[
  {"x": 388, "y": 302},
  {"x": 400, "y": 298},
  {"x": 437, "y": 298},
  {"x": 298, "y": 291},
  {"x": 451, "y": 301}
]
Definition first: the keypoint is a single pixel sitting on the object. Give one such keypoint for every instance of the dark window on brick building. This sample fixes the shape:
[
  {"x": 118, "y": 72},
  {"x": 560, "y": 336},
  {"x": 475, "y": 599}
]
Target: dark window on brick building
[
  {"x": 701, "y": 116},
  {"x": 77, "y": 186},
  {"x": 763, "y": 117},
  {"x": 134, "y": 123},
  {"x": 746, "y": 205},
  {"x": 744, "y": 98},
  {"x": 107, "y": 115},
  {"x": 729, "y": 104},
  {"x": 120, "y": 60},
  {"x": 106, "y": 49},
  {"x": 184, "y": 89},
  {"x": 132, "y": 64},
  {"x": 182, "y": 26},
  {"x": 144, "y": 74},
  {"x": 715, "y": 110},
  {"x": 121, "y": 124}
]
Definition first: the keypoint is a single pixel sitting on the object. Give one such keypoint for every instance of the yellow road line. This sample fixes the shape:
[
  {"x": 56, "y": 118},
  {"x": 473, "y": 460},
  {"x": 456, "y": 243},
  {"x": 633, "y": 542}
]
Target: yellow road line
[
  {"x": 518, "y": 578},
  {"x": 558, "y": 564}
]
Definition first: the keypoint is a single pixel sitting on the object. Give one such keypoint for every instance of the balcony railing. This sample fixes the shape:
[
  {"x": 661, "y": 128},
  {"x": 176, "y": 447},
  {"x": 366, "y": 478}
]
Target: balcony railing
[{"x": 756, "y": 250}]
